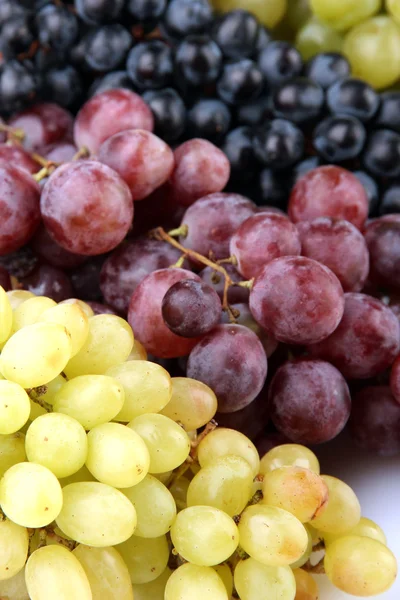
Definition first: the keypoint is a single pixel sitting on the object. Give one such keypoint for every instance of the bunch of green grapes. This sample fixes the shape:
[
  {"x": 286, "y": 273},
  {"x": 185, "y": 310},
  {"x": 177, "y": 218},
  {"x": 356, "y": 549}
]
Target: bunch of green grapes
[{"x": 116, "y": 484}]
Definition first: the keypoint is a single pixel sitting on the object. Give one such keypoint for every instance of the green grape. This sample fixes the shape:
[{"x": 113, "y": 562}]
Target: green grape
[
  {"x": 46, "y": 394},
  {"x": 154, "y": 590},
  {"x": 224, "y": 572},
  {"x": 57, "y": 442},
  {"x": 29, "y": 312},
  {"x": 269, "y": 13},
  {"x": 117, "y": 455},
  {"x": 179, "y": 489},
  {"x": 106, "y": 571},
  {"x": 272, "y": 535},
  {"x": 306, "y": 586},
  {"x": 36, "y": 354},
  {"x": 222, "y": 442},
  {"x": 15, "y": 407},
  {"x": 315, "y": 37},
  {"x": 30, "y": 495},
  {"x": 299, "y": 491},
  {"x": 147, "y": 388},
  {"x": 192, "y": 582},
  {"x": 14, "y": 588},
  {"x": 308, "y": 551},
  {"x": 393, "y": 8},
  {"x": 53, "y": 572},
  {"x": 6, "y": 316},
  {"x": 17, "y": 297},
  {"x": 87, "y": 309},
  {"x": 14, "y": 544},
  {"x": 344, "y": 14},
  {"x": 364, "y": 528},
  {"x": 360, "y": 566},
  {"x": 138, "y": 352},
  {"x": 164, "y": 477},
  {"x": 72, "y": 317},
  {"x": 90, "y": 399},
  {"x": 12, "y": 451},
  {"x": 373, "y": 50},
  {"x": 204, "y": 535},
  {"x": 342, "y": 511},
  {"x": 255, "y": 581},
  {"x": 155, "y": 507},
  {"x": 146, "y": 558},
  {"x": 96, "y": 514},
  {"x": 108, "y": 343},
  {"x": 192, "y": 403},
  {"x": 289, "y": 455},
  {"x": 82, "y": 475},
  {"x": 168, "y": 444},
  {"x": 226, "y": 484},
  {"x": 297, "y": 14}
]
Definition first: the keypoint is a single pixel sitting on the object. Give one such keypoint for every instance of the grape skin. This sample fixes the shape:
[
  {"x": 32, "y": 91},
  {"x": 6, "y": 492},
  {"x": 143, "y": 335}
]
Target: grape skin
[
  {"x": 146, "y": 558},
  {"x": 42, "y": 124},
  {"x": 192, "y": 403},
  {"x": 289, "y": 455},
  {"x": 342, "y": 511},
  {"x": 13, "y": 549},
  {"x": 383, "y": 241},
  {"x": 256, "y": 581},
  {"x": 194, "y": 582},
  {"x": 19, "y": 157}
]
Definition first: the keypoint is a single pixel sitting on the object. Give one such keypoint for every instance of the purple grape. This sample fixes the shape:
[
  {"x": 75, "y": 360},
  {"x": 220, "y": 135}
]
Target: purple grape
[
  {"x": 54, "y": 254},
  {"x": 5, "y": 280},
  {"x": 49, "y": 281},
  {"x": 246, "y": 318},
  {"x": 236, "y": 294},
  {"x": 250, "y": 420}
]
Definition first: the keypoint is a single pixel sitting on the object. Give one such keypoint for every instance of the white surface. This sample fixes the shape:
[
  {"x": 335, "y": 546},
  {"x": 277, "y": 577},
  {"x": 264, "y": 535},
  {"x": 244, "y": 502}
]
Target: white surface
[{"x": 376, "y": 482}]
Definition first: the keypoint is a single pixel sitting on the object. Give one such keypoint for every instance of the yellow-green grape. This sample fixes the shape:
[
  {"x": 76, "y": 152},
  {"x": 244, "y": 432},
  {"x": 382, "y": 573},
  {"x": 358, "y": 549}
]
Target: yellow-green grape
[
  {"x": 179, "y": 489},
  {"x": 344, "y": 14},
  {"x": 87, "y": 309},
  {"x": 147, "y": 388},
  {"x": 204, "y": 535},
  {"x": 82, "y": 475},
  {"x": 255, "y": 581},
  {"x": 164, "y": 477},
  {"x": 146, "y": 558},
  {"x": 117, "y": 455},
  {"x": 167, "y": 443},
  {"x": 12, "y": 451},
  {"x": 54, "y": 572},
  {"x": 57, "y": 442},
  {"x": 6, "y": 316},
  {"x": 364, "y": 528},
  {"x": 29, "y": 312},
  {"x": 272, "y": 535},
  {"x": 315, "y": 36},
  {"x": 138, "y": 351},
  {"x": 108, "y": 343},
  {"x": 96, "y": 514},
  {"x": 17, "y": 297},
  {"x": 15, "y": 407},
  {"x": 46, "y": 394},
  {"x": 192, "y": 582},
  {"x": 106, "y": 571},
  {"x": 373, "y": 50},
  {"x": 226, "y": 484},
  {"x": 73, "y": 318},
  {"x": 224, "y": 572},
  {"x": 307, "y": 553},
  {"x": 14, "y": 544},
  {"x": 223, "y": 442},
  {"x": 306, "y": 586},
  {"x": 342, "y": 511},
  {"x": 192, "y": 403},
  {"x": 14, "y": 588},
  {"x": 155, "y": 507},
  {"x": 360, "y": 566},
  {"x": 154, "y": 590},
  {"x": 393, "y": 8},
  {"x": 30, "y": 495},
  {"x": 297, "y": 13},
  {"x": 269, "y": 13},
  {"x": 36, "y": 354},
  {"x": 299, "y": 491},
  {"x": 90, "y": 399},
  {"x": 289, "y": 455}
]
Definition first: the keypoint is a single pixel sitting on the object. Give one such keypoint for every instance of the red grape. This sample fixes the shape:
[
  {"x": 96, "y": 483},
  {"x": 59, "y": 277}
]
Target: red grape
[
  {"x": 260, "y": 239},
  {"x": 101, "y": 309},
  {"x": 20, "y": 263},
  {"x": 309, "y": 401},
  {"x": 395, "y": 379},
  {"x": 329, "y": 191},
  {"x": 232, "y": 362},
  {"x": 159, "y": 210},
  {"x": 246, "y": 318},
  {"x": 86, "y": 279},
  {"x": 216, "y": 280},
  {"x": 43, "y": 124},
  {"x": 296, "y": 299},
  {"x": 46, "y": 280},
  {"x": 142, "y": 159},
  {"x": 52, "y": 253},
  {"x": 86, "y": 207},
  {"x": 5, "y": 280},
  {"x": 270, "y": 209},
  {"x": 59, "y": 152},
  {"x": 145, "y": 317},
  {"x": 108, "y": 113},
  {"x": 250, "y": 420},
  {"x": 366, "y": 341},
  {"x": 338, "y": 245},
  {"x": 19, "y": 157},
  {"x": 383, "y": 240}
]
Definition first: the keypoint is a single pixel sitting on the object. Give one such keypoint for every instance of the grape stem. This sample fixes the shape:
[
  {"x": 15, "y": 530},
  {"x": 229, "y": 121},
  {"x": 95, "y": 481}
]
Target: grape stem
[
  {"x": 82, "y": 153},
  {"x": 35, "y": 394},
  {"x": 317, "y": 569},
  {"x": 12, "y": 134}
]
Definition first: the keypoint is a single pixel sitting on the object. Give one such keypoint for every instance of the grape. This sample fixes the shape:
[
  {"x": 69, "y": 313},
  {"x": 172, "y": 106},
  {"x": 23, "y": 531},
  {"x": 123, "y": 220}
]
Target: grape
[
  {"x": 49, "y": 281},
  {"x": 42, "y": 124},
  {"x": 146, "y": 558},
  {"x": 142, "y": 159},
  {"x": 315, "y": 36},
  {"x": 306, "y": 586},
  {"x": 360, "y": 566},
  {"x": 213, "y": 220},
  {"x": 246, "y": 318},
  {"x": 269, "y": 14},
  {"x": 19, "y": 207},
  {"x": 86, "y": 207},
  {"x": 5, "y": 281},
  {"x": 95, "y": 514},
  {"x": 101, "y": 309},
  {"x": 83, "y": 305},
  {"x": 383, "y": 241},
  {"x": 30, "y": 311},
  {"x": 14, "y": 407},
  {"x": 338, "y": 245},
  {"x": 74, "y": 320},
  {"x": 200, "y": 169},
  {"x": 30, "y": 495},
  {"x": 342, "y": 511},
  {"x": 289, "y": 455},
  {"x": 59, "y": 152},
  {"x": 346, "y": 13},
  {"x": 145, "y": 316},
  {"x": 223, "y": 442},
  {"x": 395, "y": 379},
  {"x": 309, "y": 312},
  {"x": 12, "y": 451},
  {"x": 168, "y": 444},
  {"x": 57, "y": 442},
  {"x": 193, "y": 582},
  {"x": 366, "y": 341},
  {"x": 83, "y": 475},
  {"x": 14, "y": 542},
  {"x": 256, "y": 581},
  {"x": 154, "y": 589},
  {"x": 109, "y": 113},
  {"x": 236, "y": 294},
  {"x": 54, "y": 254},
  {"x": 364, "y": 528},
  {"x": 17, "y": 156},
  {"x": 191, "y": 308},
  {"x": 17, "y": 297},
  {"x": 309, "y": 401},
  {"x": 250, "y": 420},
  {"x": 15, "y": 587},
  {"x": 232, "y": 362},
  {"x": 52, "y": 349},
  {"x": 192, "y": 403},
  {"x": 6, "y": 316},
  {"x": 54, "y": 572},
  {"x": 106, "y": 571},
  {"x": 90, "y": 399},
  {"x": 272, "y": 536}
]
